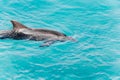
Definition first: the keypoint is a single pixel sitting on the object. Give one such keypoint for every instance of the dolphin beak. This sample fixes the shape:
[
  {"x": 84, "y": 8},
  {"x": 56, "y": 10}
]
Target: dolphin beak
[{"x": 72, "y": 39}]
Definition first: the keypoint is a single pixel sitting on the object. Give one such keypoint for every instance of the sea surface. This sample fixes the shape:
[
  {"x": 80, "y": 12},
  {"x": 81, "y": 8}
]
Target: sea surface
[{"x": 95, "y": 24}]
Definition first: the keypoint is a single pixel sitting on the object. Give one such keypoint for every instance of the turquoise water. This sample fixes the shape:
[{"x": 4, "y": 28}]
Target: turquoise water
[{"x": 95, "y": 24}]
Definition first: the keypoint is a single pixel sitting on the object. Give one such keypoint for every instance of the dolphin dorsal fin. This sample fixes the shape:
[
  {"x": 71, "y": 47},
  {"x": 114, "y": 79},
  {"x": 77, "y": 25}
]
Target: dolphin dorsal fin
[{"x": 17, "y": 25}]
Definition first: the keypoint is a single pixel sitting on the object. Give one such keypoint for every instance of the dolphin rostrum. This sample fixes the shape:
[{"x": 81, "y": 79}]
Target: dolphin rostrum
[{"x": 20, "y": 32}]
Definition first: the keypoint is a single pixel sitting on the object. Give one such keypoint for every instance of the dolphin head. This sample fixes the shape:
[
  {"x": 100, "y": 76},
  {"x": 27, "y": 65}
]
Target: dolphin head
[{"x": 65, "y": 38}]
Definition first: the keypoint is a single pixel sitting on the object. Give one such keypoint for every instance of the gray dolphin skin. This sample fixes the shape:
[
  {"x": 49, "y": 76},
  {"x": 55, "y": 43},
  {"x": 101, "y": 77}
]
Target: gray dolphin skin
[{"x": 20, "y": 32}]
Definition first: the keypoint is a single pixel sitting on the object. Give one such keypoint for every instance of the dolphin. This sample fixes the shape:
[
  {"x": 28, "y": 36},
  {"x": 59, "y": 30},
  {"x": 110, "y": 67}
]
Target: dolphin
[{"x": 21, "y": 32}]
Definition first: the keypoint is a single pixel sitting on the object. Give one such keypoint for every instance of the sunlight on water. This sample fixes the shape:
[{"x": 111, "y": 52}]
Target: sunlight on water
[{"x": 93, "y": 23}]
